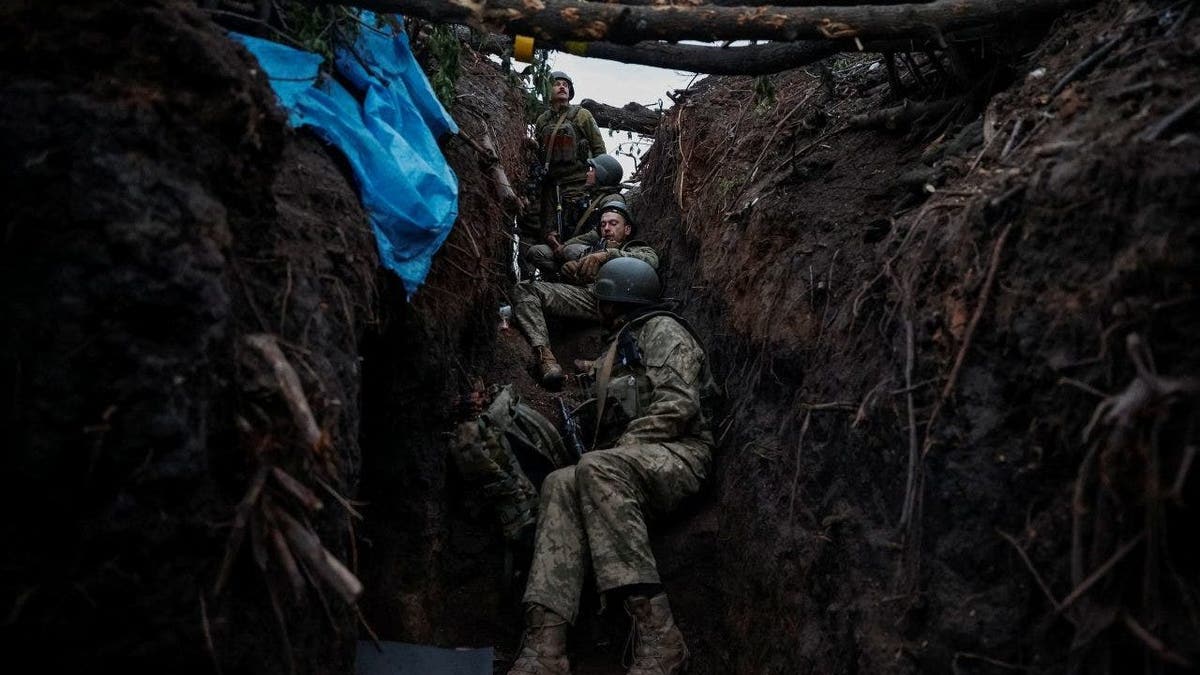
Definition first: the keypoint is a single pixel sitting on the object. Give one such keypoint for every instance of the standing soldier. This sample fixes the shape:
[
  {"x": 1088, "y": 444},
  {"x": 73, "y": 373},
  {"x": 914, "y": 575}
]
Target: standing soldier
[
  {"x": 567, "y": 137},
  {"x": 653, "y": 389}
]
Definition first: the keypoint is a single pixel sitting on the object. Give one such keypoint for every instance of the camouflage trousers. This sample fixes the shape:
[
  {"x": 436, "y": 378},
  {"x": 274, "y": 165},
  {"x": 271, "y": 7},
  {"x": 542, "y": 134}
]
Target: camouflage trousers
[
  {"x": 596, "y": 512},
  {"x": 534, "y": 300}
]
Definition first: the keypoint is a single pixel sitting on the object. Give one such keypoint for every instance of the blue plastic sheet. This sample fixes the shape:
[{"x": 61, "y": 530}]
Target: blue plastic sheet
[{"x": 387, "y": 128}]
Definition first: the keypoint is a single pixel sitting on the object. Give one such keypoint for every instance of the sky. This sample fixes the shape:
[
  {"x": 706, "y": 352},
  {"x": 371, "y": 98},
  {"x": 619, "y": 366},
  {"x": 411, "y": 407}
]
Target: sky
[{"x": 616, "y": 84}]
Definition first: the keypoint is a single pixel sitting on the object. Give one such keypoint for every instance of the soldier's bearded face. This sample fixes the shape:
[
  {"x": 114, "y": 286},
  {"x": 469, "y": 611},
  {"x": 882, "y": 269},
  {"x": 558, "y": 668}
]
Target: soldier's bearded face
[{"x": 614, "y": 228}]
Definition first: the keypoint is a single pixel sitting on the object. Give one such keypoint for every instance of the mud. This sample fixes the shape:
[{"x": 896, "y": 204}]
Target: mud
[
  {"x": 964, "y": 289},
  {"x": 158, "y": 210},
  {"x": 808, "y": 275}
]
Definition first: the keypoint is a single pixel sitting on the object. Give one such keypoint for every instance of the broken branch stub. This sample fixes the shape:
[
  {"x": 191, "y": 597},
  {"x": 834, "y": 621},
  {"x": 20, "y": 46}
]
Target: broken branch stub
[{"x": 598, "y": 21}]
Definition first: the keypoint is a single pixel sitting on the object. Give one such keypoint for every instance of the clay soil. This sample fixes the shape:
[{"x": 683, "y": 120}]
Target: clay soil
[{"x": 959, "y": 360}]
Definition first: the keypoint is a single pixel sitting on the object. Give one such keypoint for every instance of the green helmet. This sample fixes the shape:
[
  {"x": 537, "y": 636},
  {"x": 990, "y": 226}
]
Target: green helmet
[
  {"x": 608, "y": 170},
  {"x": 627, "y": 280},
  {"x": 560, "y": 75},
  {"x": 616, "y": 204}
]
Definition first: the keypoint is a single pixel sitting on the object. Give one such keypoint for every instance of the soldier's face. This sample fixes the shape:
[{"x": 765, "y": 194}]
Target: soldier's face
[
  {"x": 591, "y": 177},
  {"x": 560, "y": 91},
  {"x": 614, "y": 228}
]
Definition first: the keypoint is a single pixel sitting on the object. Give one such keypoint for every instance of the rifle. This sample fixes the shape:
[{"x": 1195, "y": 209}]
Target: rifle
[
  {"x": 571, "y": 426},
  {"x": 558, "y": 213}
]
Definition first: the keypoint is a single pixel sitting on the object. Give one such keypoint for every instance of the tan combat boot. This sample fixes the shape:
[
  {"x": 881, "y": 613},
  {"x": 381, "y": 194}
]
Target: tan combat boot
[
  {"x": 544, "y": 646},
  {"x": 548, "y": 368},
  {"x": 658, "y": 647}
]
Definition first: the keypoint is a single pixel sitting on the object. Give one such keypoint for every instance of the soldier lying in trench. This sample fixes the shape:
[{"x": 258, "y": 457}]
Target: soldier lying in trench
[
  {"x": 534, "y": 300},
  {"x": 652, "y": 393}
]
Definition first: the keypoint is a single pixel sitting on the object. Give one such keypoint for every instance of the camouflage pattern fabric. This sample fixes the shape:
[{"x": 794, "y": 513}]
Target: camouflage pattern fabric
[
  {"x": 483, "y": 451},
  {"x": 634, "y": 248},
  {"x": 534, "y": 300},
  {"x": 596, "y": 512}
]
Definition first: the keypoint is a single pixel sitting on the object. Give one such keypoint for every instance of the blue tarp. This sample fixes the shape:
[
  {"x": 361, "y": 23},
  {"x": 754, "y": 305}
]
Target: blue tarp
[{"x": 387, "y": 128}]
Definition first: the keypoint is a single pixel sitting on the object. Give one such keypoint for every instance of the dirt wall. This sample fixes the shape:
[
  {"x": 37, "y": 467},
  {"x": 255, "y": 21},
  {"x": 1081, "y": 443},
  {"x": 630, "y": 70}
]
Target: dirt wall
[
  {"x": 832, "y": 287},
  {"x": 158, "y": 210}
]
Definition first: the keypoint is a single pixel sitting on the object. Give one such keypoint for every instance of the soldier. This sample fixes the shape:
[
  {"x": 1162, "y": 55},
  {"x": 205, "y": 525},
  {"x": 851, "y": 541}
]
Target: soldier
[
  {"x": 488, "y": 451},
  {"x": 533, "y": 300},
  {"x": 653, "y": 388},
  {"x": 603, "y": 178},
  {"x": 567, "y": 136}
]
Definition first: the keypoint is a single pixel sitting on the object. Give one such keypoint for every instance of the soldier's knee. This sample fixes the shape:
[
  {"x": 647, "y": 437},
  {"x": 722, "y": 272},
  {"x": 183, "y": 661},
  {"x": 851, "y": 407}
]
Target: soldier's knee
[
  {"x": 594, "y": 468},
  {"x": 559, "y": 482}
]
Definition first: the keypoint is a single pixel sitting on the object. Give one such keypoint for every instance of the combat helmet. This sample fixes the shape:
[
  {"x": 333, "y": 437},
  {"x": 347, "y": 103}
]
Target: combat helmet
[
  {"x": 627, "y": 280},
  {"x": 616, "y": 204},
  {"x": 560, "y": 75},
  {"x": 609, "y": 171}
]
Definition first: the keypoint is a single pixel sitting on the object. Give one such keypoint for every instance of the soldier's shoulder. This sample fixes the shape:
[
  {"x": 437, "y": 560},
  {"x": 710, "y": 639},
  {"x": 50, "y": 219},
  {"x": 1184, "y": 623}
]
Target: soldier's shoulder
[{"x": 666, "y": 329}]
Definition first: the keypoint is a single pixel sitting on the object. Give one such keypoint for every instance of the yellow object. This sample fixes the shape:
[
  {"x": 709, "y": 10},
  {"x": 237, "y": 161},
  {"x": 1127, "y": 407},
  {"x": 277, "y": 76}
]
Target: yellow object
[
  {"x": 523, "y": 48},
  {"x": 577, "y": 48}
]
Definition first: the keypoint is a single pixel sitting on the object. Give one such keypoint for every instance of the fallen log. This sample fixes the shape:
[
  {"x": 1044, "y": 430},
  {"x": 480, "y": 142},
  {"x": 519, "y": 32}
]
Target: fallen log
[
  {"x": 598, "y": 21},
  {"x": 633, "y": 117},
  {"x": 763, "y": 59}
]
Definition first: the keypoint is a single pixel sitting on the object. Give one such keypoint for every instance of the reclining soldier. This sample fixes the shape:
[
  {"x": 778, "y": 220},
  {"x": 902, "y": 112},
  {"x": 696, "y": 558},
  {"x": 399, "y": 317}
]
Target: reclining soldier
[
  {"x": 534, "y": 300},
  {"x": 602, "y": 185},
  {"x": 488, "y": 451},
  {"x": 653, "y": 388}
]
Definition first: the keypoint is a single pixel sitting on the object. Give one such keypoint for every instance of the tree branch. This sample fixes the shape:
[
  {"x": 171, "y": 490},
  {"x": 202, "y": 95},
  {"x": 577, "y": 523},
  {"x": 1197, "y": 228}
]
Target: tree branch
[
  {"x": 631, "y": 117},
  {"x": 597, "y": 21}
]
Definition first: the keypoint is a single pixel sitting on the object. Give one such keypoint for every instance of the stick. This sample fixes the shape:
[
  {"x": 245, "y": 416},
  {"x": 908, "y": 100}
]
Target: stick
[
  {"x": 208, "y": 638},
  {"x": 796, "y": 475},
  {"x": 1032, "y": 570},
  {"x": 1085, "y": 66},
  {"x": 289, "y": 387},
  {"x": 307, "y": 545},
  {"x": 307, "y": 498},
  {"x": 1153, "y": 132},
  {"x": 238, "y": 533},
  {"x": 962, "y": 352},
  {"x": 913, "y": 455},
  {"x": 1153, "y": 643},
  {"x": 1100, "y": 572}
]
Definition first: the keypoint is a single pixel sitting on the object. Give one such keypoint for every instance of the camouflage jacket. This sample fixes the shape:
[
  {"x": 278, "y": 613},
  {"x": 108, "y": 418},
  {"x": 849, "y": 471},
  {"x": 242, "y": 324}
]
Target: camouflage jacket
[
  {"x": 660, "y": 388},
  {"x": 634, "y": 248},
  {"x": 567, "y": 150}
]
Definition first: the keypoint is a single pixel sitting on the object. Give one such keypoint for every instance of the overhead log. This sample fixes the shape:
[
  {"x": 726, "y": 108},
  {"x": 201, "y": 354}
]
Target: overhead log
[
  {"x": 763, "y": 59},
  {"x": 602, "y": 22},
  {"x": 631, "y": 117}
]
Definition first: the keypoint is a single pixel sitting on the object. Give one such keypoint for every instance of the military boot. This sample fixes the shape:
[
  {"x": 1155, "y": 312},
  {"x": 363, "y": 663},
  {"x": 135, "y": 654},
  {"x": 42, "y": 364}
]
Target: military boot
[
  {"x": 658, "y": 647},
  {"x": 548, "y": 368},
  {"x": 544, "y": 645}
]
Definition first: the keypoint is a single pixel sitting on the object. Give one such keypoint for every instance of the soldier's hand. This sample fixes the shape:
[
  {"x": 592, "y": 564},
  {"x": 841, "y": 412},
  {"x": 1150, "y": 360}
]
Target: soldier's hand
[
  {"x": 570, "y": 270},
  {"x": 590, "y": 264}
]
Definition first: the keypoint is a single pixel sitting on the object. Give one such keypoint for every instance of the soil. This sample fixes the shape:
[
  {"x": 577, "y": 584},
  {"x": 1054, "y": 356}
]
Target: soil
[{"x": 958, "y": 357}]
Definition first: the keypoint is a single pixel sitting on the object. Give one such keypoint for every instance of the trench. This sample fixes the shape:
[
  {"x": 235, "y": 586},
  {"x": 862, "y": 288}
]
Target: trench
[{"x": 949, "y": 410}]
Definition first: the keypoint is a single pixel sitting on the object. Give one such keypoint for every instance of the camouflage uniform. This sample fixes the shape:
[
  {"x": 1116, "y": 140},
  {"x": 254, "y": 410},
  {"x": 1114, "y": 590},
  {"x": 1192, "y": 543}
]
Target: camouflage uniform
[
  {"x": 534, "y": 300},
  {"x": 485, "y": 453},
  {"x": 543, "y": 258},
  {"x": 659, "y": 453},
  {"x": 566, "y": 138}
]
